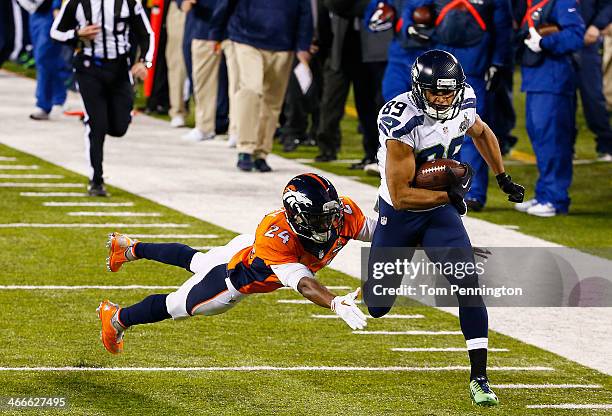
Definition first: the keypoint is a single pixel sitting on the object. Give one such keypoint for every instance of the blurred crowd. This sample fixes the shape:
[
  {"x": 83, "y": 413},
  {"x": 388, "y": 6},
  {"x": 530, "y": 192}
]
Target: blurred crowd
[{"x": 256, "y": 70}]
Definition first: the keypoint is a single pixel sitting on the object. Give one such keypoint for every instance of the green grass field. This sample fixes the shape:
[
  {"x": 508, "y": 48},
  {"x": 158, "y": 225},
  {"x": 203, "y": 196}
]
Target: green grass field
[{"x": 59, "y": 328}]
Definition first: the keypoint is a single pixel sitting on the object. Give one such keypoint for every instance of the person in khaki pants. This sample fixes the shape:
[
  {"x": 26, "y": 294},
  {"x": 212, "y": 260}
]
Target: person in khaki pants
[
  {"x": 265, "y": 35},
  {"x": 177, "y": 73}
]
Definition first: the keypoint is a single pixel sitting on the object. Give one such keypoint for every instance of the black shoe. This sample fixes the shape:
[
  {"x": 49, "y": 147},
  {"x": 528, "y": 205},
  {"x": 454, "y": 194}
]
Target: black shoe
[
  {"x": 362, "y": 164},
  {"x": 96, "y": 189},
  {"x": 245, "y": 162},
  {"x": 474, "y": 205},
  {"x": 290, "y": 144},
  {"x": 325, "y": 157},
  {"x": 262, "y": 166}
]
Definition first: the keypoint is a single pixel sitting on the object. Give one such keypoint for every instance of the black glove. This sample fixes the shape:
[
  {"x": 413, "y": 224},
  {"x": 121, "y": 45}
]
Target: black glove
[
  {"x": 459, "y": 187},
  {"x": 515, "y": 192}
]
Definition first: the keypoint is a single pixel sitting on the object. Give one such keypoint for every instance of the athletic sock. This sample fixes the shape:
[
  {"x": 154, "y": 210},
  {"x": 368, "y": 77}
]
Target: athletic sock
[
  {"x": 130, "y": 254},
  {"x": 151, "y": 309},
  {"x": 478, "y": 362},
  {"x": 175, "y": 254}
]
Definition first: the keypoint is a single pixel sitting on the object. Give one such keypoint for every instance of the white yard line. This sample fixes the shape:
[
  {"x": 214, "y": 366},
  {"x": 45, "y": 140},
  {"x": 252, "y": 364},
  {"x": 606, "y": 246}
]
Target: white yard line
[
  {"x": 40, "y": 185},
  {"x": 569, "y": 406},
  {"x": 7, "y": 159},
  {"x": 177, "y": 236},
  {"x": 301, "y": 301},
  {"x": 84, "y": 287},
  {"x": 546, "y": 386},
  {"x": 270, "y": 368},
  {"x": 86, "y": 225},
  {"x": 52, "y": 194},
  {"x": 18, "y": 167},
  {"x": 329, "y": 287},
  {"x": 407, "y": 332},
  {"x": 29, "y": 176},
  {"x": 204, "y": 248},
  {"x": 390, "y": 316},
  {"x": 113, "y": 214},
  {"x": 87, "y": 204},
  {"x": 449, "y": 349}
]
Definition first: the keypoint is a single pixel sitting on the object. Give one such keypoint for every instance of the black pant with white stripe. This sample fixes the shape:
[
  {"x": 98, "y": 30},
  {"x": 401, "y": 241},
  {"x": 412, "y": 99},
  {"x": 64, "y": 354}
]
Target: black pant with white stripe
[{"x": 106, "y": 89}]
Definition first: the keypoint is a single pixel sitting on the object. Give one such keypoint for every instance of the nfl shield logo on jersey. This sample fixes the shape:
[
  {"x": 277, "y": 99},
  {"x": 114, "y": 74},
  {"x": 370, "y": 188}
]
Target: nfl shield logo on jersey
[{"x": 383, "y": 220}]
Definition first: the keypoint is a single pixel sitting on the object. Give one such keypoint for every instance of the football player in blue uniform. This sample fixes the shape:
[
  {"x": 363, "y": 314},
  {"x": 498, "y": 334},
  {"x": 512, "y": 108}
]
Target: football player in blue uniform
[{"x": 430, "y": 122}]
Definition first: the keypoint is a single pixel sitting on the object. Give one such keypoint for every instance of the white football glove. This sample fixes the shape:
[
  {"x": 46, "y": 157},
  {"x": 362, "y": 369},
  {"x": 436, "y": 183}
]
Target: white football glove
[
  {"x": 345, "y": 308},
  {"x": 533, "y": 41}
]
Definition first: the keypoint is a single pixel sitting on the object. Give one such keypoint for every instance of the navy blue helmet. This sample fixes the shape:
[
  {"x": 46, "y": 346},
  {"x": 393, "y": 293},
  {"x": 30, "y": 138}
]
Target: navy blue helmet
[
  {"x": 313, "y": 209},
  {"x": 440, "y": 73}
]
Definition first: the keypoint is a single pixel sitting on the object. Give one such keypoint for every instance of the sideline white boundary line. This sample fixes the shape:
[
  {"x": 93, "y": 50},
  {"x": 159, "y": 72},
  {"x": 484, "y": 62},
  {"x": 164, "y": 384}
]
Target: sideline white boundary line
[
  {"x": 83, "y": 287},
  {"x": 7, "y": 159},
  {"x": 390, "y": 316},
  {"x": 174, "y": 236},
  {"x": 569, "y": 406},
  {"x": 113, "y": 214},
  {"x": 270, "y": 368},
  {"x": 547, "y": 386},
  {"x": 18, "y": 167},
  {"x": 450, "y": 349},
  {"x": 87, "y": 225},
  {"x": 407, "y": 332},
  {"x": 87, "y": 204},
  {"x": 201, "y": 248},
  {"x": 50, "y": 194},
  {"x": 29, "y": 176},
  {"x": 40, "y": 185}
]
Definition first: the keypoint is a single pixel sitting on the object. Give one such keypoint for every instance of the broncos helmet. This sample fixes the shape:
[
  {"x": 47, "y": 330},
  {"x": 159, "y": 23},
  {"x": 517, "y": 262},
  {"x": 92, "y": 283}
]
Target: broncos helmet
[
  {"x": 438, "y": 71},
  {"x": 313, "y": 209}
]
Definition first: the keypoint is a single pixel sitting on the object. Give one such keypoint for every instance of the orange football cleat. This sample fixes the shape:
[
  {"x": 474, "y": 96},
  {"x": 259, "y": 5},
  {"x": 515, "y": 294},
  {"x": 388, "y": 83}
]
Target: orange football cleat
[
  {"x": 112, "y": 331},
  {"x": 117, "y": 245}
]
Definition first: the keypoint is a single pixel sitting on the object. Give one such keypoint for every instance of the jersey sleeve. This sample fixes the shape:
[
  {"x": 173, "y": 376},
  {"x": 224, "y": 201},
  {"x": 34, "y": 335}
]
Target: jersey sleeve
[
  {"x": 469, "y": 104},
  {"x": 290, "y": 274},
  {"x": 398, "y": 119}
]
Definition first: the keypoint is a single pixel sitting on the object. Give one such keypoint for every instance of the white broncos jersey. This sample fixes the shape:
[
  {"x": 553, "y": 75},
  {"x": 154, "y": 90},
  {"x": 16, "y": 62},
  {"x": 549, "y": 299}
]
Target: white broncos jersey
[{"x": 401, "y": 119}]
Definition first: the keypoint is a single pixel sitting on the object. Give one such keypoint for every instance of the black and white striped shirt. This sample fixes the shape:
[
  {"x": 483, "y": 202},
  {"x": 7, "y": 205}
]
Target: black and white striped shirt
[{"x": 115, "y": 17}]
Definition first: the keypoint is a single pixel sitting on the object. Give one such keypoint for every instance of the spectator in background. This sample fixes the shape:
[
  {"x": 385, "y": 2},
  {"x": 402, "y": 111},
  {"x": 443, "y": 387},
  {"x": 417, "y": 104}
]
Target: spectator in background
[
  {"x": 409, "y": 42},
  {"x": 607, "y": 65},
  {"x": 479, "y": 34},
  {"x": 206, "y": 71},
  {"x": 299, "y": 106},
  {"x": 265, "y": 35},
  {"x": 51, "y": 71},
  {"x": 550, "y": 36},
  {"x": 177, "y": 74},
  {"x": 597, "y": 15},
  {"x": 357, "y": 57}
]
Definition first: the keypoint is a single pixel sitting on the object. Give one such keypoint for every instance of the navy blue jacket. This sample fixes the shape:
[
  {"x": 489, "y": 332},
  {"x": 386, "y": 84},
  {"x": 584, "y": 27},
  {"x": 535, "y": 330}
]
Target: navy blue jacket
[
  {"x": 596, "y": 12},
  {"x": 197, "y": 21},
  {"x": 556, "y": 73},
  {"x": 276, "y": 25}
]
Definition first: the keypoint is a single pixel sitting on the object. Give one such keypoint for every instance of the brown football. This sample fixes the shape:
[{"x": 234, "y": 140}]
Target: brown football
[
  {"x": 423, "y": 16},
  {"x": 548, "y": 29},
  {"x": 432, "y": 174}
]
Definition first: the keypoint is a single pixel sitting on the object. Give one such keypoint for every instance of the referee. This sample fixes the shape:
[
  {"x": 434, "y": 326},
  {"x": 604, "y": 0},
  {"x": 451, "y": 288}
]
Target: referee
[{"x": 101, "y": 30}]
